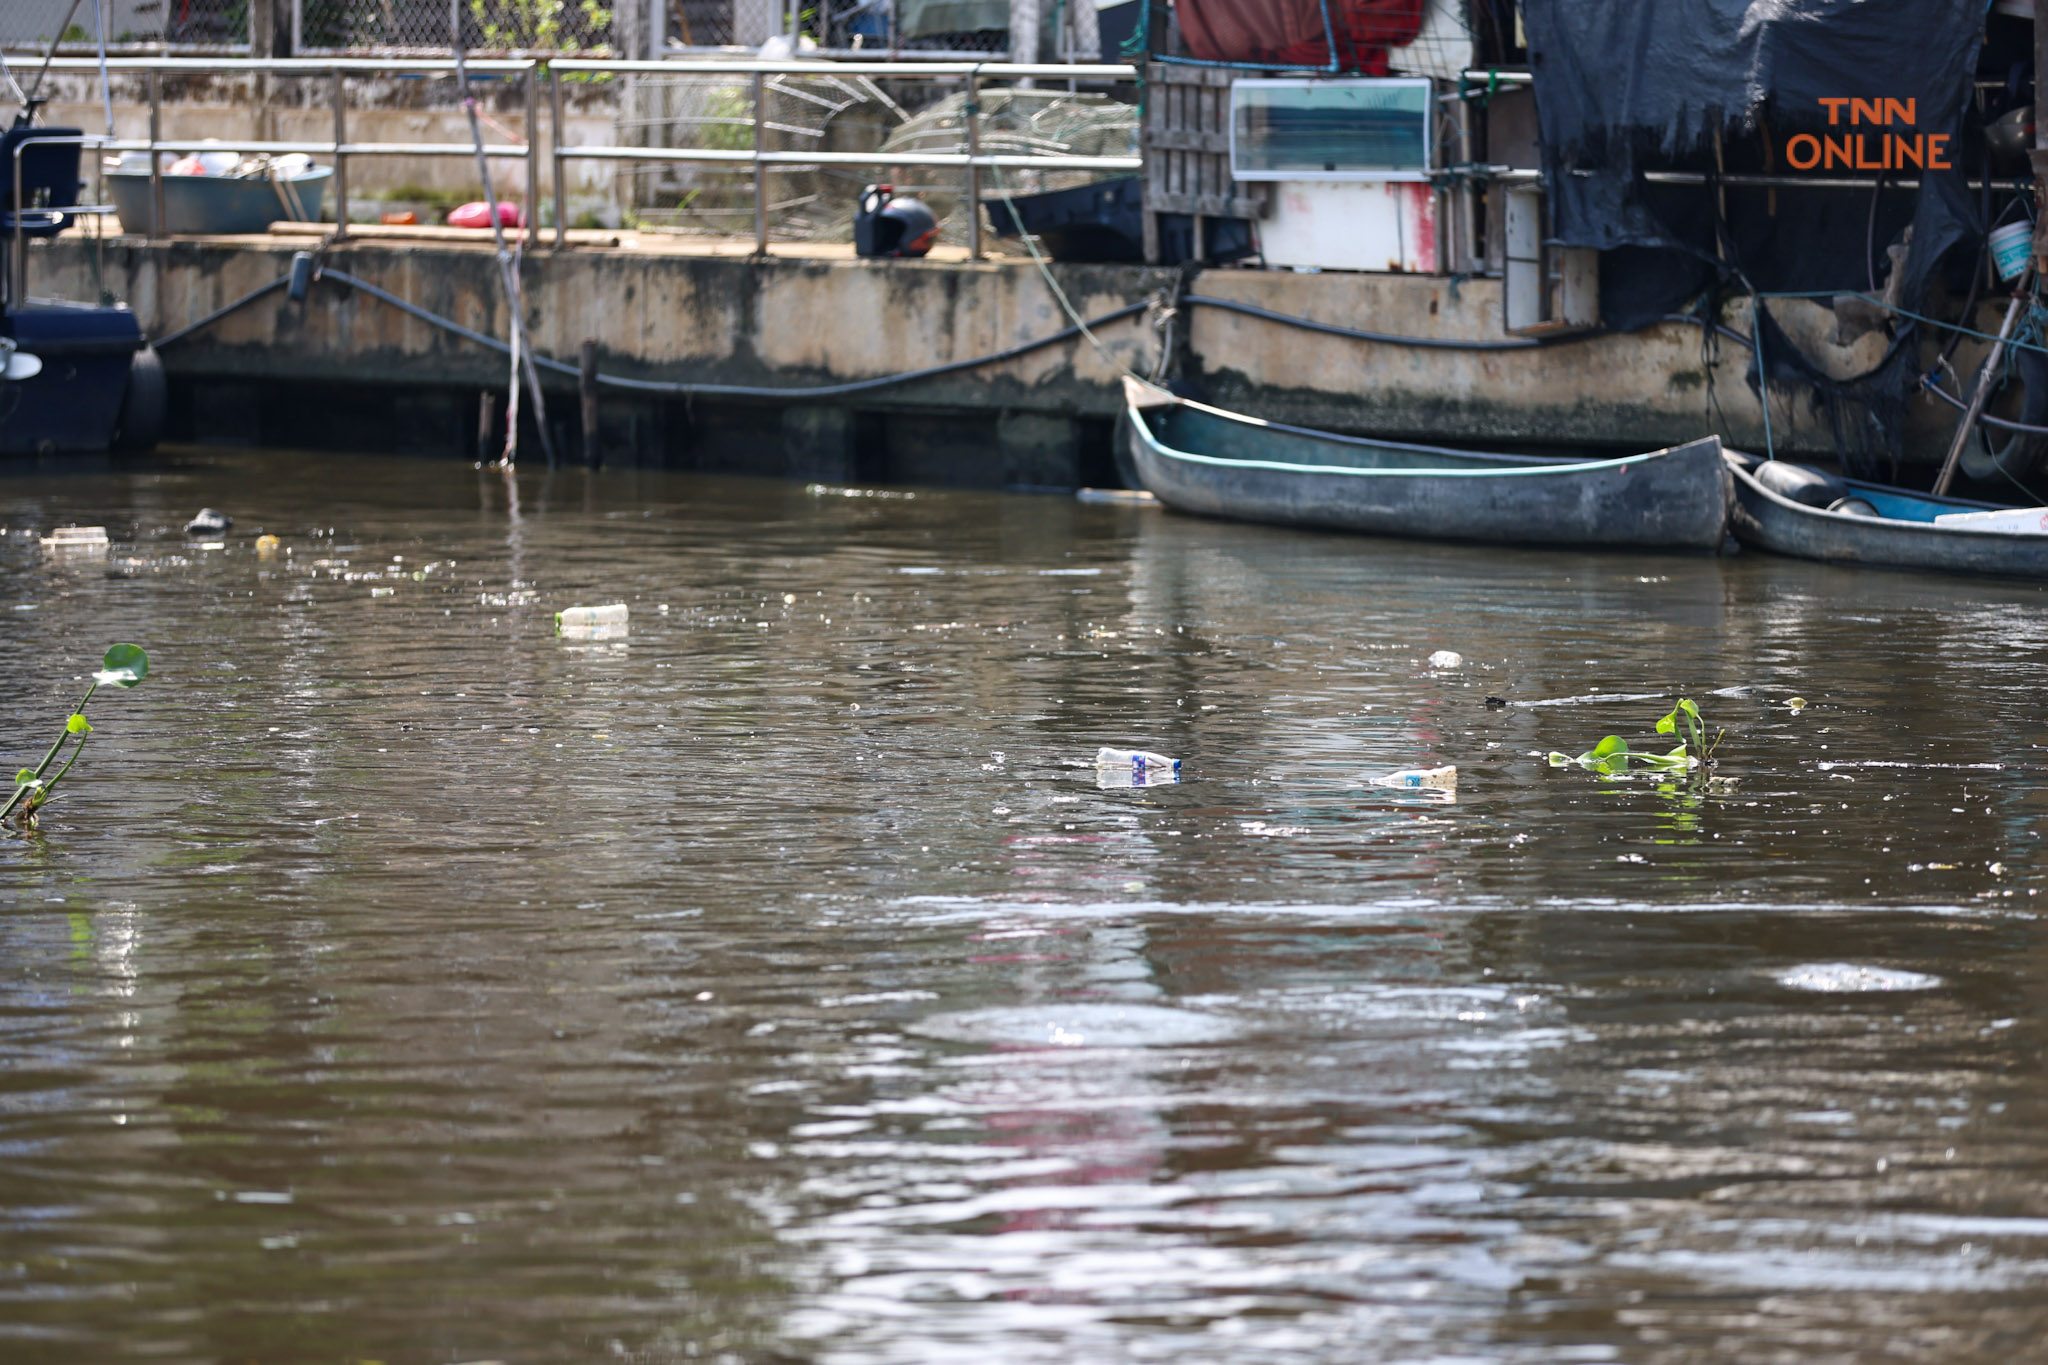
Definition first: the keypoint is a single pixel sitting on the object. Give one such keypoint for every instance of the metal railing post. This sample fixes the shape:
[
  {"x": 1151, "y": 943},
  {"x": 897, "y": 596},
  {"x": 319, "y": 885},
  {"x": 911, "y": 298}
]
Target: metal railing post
[
  {"x": 340, "y": 161},
  {"x": 157, "y": 227},
  {"x": 17, "y": 288},
  {"x": 974, "y": 165},
  {"x": 533, "y": 155},
  {"x": 1468, "y": 201},
  {"x": 760, "y": 173},
  {"x": 555, "y": 149}
]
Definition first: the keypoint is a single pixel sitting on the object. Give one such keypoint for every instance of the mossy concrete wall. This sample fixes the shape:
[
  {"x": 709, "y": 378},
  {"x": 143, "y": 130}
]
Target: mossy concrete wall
[{"x": 664, "y": 310}]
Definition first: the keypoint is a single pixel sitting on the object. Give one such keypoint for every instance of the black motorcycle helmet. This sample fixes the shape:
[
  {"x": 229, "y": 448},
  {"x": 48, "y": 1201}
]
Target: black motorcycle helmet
[{"x": 884, "y": 225}]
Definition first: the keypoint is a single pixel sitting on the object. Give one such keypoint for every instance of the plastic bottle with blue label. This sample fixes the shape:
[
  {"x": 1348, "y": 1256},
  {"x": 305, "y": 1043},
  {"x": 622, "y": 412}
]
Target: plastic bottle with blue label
[{"x": 1137, "y": 760}]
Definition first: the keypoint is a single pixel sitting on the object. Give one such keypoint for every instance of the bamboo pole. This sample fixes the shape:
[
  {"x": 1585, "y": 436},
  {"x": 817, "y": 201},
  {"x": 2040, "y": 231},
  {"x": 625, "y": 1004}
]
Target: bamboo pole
[
  {"x": 522, "y": 353},
  {"x": 1966, "y": 426}
]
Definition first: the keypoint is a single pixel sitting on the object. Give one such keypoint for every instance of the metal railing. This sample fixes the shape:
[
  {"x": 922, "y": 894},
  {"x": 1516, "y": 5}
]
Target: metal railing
[
  {"x": 19, "y": 208},
  {"x": 528, "y": 70},
  {"x": 337, "y": 70},
  {"x": 758, "y": 158}
]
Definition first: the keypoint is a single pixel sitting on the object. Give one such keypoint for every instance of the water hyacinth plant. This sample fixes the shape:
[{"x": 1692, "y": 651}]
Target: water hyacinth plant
[
  {"x": 123, "y": 666},
  {"x": 1611, "y": 757}
]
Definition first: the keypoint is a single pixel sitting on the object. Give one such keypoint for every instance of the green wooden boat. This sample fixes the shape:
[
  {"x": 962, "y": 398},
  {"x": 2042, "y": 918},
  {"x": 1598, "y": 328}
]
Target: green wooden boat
[{"x": 1209, "y": 461}]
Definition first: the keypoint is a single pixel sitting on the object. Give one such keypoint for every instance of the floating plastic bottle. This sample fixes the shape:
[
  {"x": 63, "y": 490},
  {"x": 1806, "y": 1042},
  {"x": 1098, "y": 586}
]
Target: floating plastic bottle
[
  {"x": 1137, "y": 760},
  {"x": 1128, "y": 776},
  {"x": 576, "y": 617},
  {"x": 592, "y": 623},
  {"x": 69, "y": 539},
  {"x": 1442, "y": 779}
]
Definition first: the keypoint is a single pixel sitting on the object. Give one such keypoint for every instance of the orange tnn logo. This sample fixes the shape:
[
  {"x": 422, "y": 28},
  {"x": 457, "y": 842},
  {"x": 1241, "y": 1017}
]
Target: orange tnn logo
[{"x": 1871, "y": 144}]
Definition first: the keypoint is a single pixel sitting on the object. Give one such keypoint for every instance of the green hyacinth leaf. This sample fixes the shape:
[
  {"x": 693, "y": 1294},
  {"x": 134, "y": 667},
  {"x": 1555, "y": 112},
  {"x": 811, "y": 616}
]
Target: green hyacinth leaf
[
  {"x": 77, "y": 725},
  {"x": 25, "y": 778},
  {"x": 123, "y": 666}
]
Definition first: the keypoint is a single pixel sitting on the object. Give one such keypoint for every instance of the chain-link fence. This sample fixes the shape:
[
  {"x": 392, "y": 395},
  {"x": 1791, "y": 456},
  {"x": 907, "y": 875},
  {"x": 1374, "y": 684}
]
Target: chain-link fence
[
  {"x": 206, "y": 25},
  {"x": 324, "y": 26},
  {"x": 880, "y": 27}
]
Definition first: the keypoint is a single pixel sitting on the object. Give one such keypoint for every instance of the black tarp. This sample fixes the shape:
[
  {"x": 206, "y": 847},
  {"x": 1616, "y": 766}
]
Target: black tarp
[
  {"x": 1622, "y": 85},
  {"x": 1718, "y": 86}
]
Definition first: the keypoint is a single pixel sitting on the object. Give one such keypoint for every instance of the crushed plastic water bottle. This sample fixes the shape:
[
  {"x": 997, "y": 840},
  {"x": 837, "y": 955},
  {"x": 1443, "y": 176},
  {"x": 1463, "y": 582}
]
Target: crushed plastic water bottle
[
  {"x": 592, "y": 623},
  {"x": 613, "y": 615},
  {"x": 1107, "y": 778},
  {"x": 1440, "y": 779},
  {"x": 1136, "y": 760}
]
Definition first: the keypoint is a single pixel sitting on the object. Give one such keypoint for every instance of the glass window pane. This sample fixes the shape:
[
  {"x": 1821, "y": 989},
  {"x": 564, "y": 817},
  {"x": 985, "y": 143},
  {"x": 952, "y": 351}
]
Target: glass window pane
[{"x": 1375, "y": 129}]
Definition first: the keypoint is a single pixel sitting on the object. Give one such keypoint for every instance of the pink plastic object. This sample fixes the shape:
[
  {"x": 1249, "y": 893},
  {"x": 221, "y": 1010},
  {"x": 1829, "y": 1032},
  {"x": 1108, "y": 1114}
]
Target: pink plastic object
[{"x": 478, "y": 215}]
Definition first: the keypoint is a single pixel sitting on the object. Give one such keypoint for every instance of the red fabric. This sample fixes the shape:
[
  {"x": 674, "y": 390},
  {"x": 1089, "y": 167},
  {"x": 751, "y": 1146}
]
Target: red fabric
[{"x": 1290, "y": 32}]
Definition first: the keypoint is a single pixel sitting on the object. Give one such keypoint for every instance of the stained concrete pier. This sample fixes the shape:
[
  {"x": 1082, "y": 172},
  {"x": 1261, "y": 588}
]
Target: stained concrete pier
[{"x": 343, "y": 369}]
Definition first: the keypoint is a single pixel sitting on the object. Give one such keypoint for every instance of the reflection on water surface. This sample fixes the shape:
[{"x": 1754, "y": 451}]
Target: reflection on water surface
[{"x": 776, "y": 982}]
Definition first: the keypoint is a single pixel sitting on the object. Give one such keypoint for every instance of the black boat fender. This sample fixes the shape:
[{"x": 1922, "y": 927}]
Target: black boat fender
[
  {"x": 1802, "y": 483},
  {"x": 143, "y": 404}
]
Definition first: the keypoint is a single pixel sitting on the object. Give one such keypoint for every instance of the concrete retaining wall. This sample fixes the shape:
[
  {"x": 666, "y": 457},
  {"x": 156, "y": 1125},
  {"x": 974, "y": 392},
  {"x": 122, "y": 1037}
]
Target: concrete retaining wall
[{"x": 688, "y": 311}]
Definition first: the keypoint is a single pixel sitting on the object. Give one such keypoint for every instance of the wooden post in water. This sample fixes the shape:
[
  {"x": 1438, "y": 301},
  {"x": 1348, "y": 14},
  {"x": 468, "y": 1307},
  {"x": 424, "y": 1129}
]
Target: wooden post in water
[
  {"x": 586, "y": 380},
  {"x": 487, "y": 442}
]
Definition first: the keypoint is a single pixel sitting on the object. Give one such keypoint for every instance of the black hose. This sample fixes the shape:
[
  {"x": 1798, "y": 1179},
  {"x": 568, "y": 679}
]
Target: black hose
[
  {"x": 217, "y": 314},
  {"x": 1986, "y": 418},
  {"x": 656, "y": 385},
  {"x": 1331, "y": 329}
]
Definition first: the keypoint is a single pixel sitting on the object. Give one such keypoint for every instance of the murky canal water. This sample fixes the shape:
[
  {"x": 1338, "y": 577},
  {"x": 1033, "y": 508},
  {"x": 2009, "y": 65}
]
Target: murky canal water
[{"x": 400, "y": 982}]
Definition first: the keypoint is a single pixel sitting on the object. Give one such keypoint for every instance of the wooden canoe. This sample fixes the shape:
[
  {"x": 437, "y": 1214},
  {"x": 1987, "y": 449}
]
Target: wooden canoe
[
  {"x": 1903, "y": 536},
  {"x": 1216, "y": 463}
]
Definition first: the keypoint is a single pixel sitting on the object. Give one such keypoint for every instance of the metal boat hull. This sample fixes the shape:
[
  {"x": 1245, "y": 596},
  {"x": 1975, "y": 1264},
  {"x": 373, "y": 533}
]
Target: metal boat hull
[
  {"x": 79, "y": 402},
  {"x": 1216, "y": 463}
]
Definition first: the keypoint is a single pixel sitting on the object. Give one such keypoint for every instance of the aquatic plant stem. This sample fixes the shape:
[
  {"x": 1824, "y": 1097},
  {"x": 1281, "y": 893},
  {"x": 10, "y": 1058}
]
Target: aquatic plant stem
[
  {"x": 48, "y": 758},
  {"x": 68, "y": 765},
  {"x": 123, "y": 665}
]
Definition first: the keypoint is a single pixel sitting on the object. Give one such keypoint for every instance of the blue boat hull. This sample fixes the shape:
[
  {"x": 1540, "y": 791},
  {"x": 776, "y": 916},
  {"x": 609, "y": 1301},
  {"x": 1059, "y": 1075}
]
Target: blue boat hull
[{"x": 1904, "y": 538}]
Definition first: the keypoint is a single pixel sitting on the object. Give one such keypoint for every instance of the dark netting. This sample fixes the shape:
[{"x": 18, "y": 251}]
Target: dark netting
[{"x": 1865, "y": 412}]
